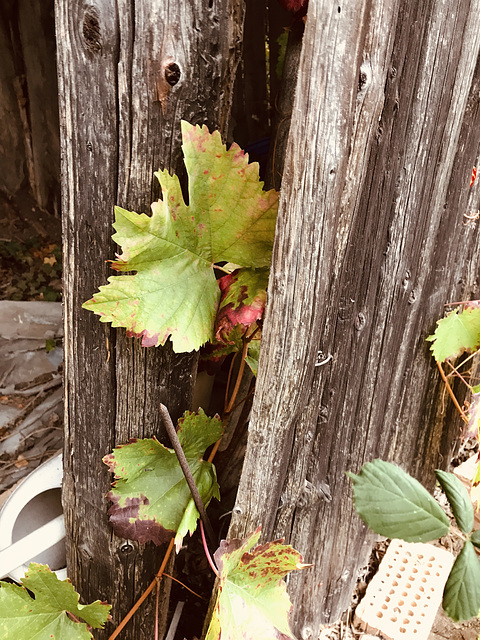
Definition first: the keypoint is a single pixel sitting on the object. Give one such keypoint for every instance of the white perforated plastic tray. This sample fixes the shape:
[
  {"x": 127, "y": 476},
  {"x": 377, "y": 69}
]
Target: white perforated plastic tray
[{"x": 402, "y": 600}]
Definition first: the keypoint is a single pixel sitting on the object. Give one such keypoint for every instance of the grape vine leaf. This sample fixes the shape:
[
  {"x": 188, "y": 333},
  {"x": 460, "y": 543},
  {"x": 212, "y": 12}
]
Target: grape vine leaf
[
  {"x": 461, "y": 597},
  {"x": 252, "y": 603},
  {"x": 151, "y": 498},
  {"x": 174, "y": 291},
  {"x": 45, "y": 617},
  {"x": 395, "y": 505},
  {"x": 455, "y": 334}
]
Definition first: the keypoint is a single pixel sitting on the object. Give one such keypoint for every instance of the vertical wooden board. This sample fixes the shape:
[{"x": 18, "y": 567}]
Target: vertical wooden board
[
  {"x": 36, "y": 30},
  {"x": 370, "y": 221},
  {"x": 128, "y": 73}
]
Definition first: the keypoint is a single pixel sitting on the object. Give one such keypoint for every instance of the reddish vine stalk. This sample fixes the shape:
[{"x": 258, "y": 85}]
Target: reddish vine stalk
[{"x": 230, "y": 406}]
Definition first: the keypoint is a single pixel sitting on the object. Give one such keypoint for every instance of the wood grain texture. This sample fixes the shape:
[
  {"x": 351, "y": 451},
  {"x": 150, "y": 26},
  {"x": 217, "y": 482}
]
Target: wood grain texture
[
  {"x": 30, "y": 158},
  {"x": 128, "y": 73},
  {"x": 370, "y": 245}
]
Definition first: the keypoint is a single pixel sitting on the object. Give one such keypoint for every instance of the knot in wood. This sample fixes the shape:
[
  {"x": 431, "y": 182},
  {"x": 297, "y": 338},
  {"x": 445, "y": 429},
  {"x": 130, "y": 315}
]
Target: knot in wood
[
  {"x": 172, "y": 73},
  {"x": 360, "y": 321},
  {"x": 91, "y": 31}
]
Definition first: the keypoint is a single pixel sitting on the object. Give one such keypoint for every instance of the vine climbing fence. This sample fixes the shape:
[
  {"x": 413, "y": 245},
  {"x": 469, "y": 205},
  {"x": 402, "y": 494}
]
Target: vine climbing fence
[{"x": 372, "y": 241}]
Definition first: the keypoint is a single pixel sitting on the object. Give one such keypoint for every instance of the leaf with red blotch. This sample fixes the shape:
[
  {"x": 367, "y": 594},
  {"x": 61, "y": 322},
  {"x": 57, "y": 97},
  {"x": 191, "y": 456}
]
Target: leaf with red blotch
[
  {"x": 151, "y": 498},
  {"x": 253, "y": 603},
  {"x": 174, "y": 292},
  {"x": 242, "y": 301}
]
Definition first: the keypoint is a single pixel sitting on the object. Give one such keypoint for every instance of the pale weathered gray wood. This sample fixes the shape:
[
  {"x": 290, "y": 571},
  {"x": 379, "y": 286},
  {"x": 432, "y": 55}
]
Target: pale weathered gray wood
[
  {"x": 128, "y": 73},
  {"x": 370, "y": 244}
]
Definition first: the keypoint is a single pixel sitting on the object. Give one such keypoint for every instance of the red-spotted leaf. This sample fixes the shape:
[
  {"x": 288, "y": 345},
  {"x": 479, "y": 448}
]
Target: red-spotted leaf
[
  {"x": 151, "y": 498},
  {"x": 455, "y": 334},
  {"x": 244, "y": 292},
  {"x": 253, "y": 603},
  {"x": 46, "y": 615},
  {"x": 174, "y": 291}
]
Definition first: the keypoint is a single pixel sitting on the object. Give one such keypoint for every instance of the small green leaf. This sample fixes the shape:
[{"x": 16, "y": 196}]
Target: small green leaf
[
  {"x": 476, "y": 388},
  {"x": 461, "y": 598},
  {"x": 253, "y": 603},
  {"x": 455, "y": 334},
  {"x": 458, "y": 498},
  {"x": 252, "y": 356},
  {"x": 151, "y": 498},
  {"x": 45, "y": 617},
  {"x": 475, "y": 538},
  {"x": 395, "y": 505}
]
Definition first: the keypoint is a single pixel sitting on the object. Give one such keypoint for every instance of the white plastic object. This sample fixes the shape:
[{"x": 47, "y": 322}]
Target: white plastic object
[
  {"x": 22, "y": 551},
  {"x": 402, "y": 599},
  {"x": 36, "y": 502}
]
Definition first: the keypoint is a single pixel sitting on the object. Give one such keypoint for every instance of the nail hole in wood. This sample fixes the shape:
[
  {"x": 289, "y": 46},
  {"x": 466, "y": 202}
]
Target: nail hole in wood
[{"x": 172, "y": 73}]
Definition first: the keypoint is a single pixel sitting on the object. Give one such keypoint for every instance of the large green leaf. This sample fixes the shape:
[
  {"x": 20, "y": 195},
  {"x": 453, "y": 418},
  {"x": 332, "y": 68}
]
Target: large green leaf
[
  {"x": 455, "y": 334},
  {"x": 229, "y": 218},
  {"x": 458, "y": 498},
  {"x": 253, "y": 603},
  {"x": 151, "y": 498},
  {"x": 395, "y": 505},
  {"x": 461, "y": 598},
  {"x": 45, "y": 617}
]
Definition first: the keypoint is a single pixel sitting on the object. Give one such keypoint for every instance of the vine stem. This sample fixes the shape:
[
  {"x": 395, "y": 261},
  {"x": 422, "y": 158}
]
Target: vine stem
[
  {"x": 456, "y": 372},
  {"x": 167, "y": 421},
  {"x": 207, "y": 552},
  {"x": 157, "y": 597},
  {"x": 452, "y": 395},
  {"x": 169, "y": 550}
]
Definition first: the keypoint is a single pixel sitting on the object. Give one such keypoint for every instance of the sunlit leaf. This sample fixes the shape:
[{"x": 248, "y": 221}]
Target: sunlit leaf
[
  {"x": 46, "y": 616},
  {"x": 456, "y": 334},
  {"x": 252, "y": 603}
]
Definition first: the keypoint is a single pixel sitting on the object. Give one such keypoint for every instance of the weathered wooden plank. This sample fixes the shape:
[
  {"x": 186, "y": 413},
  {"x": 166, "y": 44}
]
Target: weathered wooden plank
[
  {"x": 128, "y": 73},
  {"x": 28, "y": 104},
  {"x": 367, "y": 252}
]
